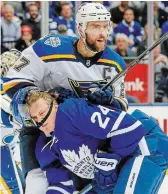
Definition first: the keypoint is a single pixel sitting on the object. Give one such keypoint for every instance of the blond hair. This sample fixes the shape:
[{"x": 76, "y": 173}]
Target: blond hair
[{"x": 36, "y": 95}]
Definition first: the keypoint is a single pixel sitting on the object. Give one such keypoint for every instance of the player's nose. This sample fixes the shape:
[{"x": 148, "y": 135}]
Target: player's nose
[
  {"x": 103, "y": 33},
  {"x": 38, "y": 118}
]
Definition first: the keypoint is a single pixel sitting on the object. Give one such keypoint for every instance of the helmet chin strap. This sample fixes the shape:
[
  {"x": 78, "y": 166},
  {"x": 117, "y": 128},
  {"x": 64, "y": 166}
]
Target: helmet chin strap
[
  {"x": 88, "y": 47},
  {"x": 85, "y": 44},
  {"x": 39, "y": 124}
]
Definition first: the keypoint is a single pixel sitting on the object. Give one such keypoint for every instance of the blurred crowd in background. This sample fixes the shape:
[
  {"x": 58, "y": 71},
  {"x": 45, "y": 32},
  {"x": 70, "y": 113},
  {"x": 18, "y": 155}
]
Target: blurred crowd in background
[{"x": 21, "y": 26}]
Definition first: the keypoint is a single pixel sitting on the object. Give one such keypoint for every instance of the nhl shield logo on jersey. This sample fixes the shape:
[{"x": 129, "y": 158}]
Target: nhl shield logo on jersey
[{"x": 53, "y": 41}]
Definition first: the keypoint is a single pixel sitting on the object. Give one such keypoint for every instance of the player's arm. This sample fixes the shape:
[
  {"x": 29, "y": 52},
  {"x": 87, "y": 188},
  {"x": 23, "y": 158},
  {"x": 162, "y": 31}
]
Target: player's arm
[
  {"x": 29, "y": 65},
  {"x": 114, "y": 95},
  {"x": 100, "y": 122},
  {"x": 59, "y": 178},
  {"x": 119, "y": 88},
  {"x": 124, "y": 132}
]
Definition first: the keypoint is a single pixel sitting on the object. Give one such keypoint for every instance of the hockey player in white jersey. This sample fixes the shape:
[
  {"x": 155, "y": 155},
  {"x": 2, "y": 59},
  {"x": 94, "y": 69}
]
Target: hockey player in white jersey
[
  {"x": 60, "y": 61},
  {"x": 76, "y": 145}
]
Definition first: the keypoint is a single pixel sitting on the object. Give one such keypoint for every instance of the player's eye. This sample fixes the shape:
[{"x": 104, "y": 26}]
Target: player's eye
[
  {"x": 42, "y": 113},
  {"x": 34, "y": 118}
]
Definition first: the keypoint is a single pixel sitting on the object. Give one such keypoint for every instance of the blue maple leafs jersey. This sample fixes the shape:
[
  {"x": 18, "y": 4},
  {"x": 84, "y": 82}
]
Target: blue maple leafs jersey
[{"x": 80, "y": 129}]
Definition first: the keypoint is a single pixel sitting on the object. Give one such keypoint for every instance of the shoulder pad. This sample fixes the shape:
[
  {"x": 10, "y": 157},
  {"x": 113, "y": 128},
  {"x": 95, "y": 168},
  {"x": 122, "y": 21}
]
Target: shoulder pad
[
  {"x": 54, "y": 45},
  {"x": 112, "y": 58}
]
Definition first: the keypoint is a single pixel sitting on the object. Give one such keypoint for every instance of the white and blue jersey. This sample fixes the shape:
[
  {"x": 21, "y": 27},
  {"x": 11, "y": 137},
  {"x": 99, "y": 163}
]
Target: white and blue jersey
[{"x": 53, "y": 61}]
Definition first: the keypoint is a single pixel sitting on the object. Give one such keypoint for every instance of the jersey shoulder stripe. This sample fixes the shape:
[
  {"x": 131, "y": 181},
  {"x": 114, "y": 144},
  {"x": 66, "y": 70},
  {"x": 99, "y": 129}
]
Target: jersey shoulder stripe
[
  {"x": 110, "y": 57},
  {"x": 58, "y": 57},
  {"x": 10, "y": 86},
  {"x": 53, "y": 47}
]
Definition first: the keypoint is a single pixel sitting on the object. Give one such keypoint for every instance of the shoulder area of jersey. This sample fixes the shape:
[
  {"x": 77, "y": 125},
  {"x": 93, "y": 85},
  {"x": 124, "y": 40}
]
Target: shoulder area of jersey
[
  {"x": 110, "y": 57},
  {"x": 53, "y": 44},
  {"x": 72, "y": 104}
]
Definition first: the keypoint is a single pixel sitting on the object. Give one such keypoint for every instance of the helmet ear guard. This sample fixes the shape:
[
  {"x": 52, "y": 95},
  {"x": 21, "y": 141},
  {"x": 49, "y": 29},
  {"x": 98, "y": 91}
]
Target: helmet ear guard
[{"x": 81, "y": 32}]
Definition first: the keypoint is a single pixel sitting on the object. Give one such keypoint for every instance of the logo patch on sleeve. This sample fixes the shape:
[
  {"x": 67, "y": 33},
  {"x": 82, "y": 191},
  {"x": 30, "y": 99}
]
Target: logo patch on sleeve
[
  {"x": 53, "y": 41},
  {"x": 80, "y": 163}
]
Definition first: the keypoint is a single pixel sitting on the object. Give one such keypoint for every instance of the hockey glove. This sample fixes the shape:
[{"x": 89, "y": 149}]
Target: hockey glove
[
  {"x": 62, "y": 94},
  {"x": 98, "y": 96},
  {"x": 8, "y": 59},
  {"x": 105, "y": 175}
]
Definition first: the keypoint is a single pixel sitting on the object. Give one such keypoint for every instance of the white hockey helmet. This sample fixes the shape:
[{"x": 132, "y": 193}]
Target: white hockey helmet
[{"x": 88, "y": 12}]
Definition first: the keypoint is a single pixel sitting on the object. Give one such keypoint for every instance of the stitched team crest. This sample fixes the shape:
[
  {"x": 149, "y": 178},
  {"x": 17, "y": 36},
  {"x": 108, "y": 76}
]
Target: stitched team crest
[
  {"x": 81, "y": 87},
  {"x": 53, "y": 41},
  {"x": 80, "y": 163}
]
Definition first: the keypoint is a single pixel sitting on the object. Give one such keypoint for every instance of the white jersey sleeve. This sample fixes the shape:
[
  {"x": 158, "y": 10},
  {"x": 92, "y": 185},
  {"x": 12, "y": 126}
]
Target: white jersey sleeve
[
  {"x": 37, "y": 62},
  {"x": 28, "y": 66},
  {"x": 53, "y": 61}
]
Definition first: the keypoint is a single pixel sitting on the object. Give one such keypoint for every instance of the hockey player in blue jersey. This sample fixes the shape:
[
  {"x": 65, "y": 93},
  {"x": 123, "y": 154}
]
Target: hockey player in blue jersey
[
  {"x": 79, "y": 129},
  {"x": 71, "y": 63}
]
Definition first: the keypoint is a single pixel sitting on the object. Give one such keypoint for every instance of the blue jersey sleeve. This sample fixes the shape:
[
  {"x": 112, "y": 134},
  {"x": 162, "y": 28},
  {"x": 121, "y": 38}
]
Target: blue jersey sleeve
[
  {"x": 43, "y": 152},
  {"x": 59, "y": 178},
  {"x": 101, "y": 122}
]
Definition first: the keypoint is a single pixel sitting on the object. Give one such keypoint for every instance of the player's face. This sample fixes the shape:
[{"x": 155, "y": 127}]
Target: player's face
[
  {"x": 96, "y": 35},
  {"x": 38, "y": 110}
]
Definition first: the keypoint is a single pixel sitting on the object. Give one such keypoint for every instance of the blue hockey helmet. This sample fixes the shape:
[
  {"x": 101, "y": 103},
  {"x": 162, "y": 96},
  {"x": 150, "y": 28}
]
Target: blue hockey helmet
[{"x": 19, "y": 106}]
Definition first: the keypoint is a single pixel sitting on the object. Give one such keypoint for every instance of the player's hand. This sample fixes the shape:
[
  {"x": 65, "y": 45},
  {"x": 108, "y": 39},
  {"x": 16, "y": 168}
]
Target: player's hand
[
  {"x": 105, "y": 175},
  {"x": 61, "y": 94},
  {"x": 8, "y": 59},
  {"x": 98, "y": 96}
]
